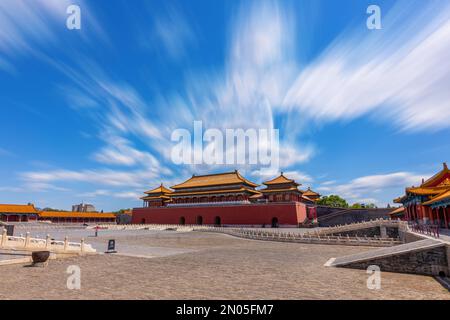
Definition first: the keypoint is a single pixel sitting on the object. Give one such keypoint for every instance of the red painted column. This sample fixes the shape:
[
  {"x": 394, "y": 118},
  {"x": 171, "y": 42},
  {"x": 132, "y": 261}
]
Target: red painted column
[
  {"x": 430, "y": 214},
  {"x": 446, "y": 216}
]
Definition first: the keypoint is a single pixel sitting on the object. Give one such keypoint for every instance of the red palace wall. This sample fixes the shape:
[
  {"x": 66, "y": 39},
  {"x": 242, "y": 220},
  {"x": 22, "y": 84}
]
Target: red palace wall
[{"x": 291, "y": 213}]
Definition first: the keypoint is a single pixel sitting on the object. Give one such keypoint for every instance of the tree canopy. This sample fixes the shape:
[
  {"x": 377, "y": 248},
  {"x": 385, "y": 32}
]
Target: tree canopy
[
  {"x": 363, "y": 206},
  {"x": 333, "y": 201}
]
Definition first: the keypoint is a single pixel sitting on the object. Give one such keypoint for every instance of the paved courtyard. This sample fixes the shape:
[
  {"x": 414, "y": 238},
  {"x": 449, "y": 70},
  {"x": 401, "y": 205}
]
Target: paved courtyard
[{"x": 194, "y": 265}]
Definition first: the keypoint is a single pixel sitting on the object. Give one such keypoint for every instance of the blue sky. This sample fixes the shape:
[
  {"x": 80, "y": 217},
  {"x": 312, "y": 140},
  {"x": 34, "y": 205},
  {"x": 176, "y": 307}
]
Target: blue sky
[{"x": 87, "y": 115}]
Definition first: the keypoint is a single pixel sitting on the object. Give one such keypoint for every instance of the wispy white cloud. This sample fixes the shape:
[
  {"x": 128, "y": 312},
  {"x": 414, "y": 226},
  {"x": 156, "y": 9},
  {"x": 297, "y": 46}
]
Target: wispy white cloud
[
  {"x": 136, "y": 178},
  {"x": 131, "y": 195},
  {"x": 299, "y": 176},
  {"x": 327, "y": 183},
  {"x": 370, "y": 186},
  {"x": 30, "y": 27},
  {"x": 175, "y": 33},
  {"x": 400, "y": 74},
  {"x": 128, "y": 195},
  {"x": 120, "y": 151},
  {"x": 4, "y": 152},
  {"x": 95, "y": 193}
]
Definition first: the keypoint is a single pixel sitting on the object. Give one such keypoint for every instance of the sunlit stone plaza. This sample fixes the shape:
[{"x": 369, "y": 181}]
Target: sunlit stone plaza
[{"x": 201, "y": 265}]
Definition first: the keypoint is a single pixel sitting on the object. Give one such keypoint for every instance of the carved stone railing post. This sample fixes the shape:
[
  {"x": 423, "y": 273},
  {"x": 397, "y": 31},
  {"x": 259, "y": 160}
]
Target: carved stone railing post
[
  {"x": 82, "y": 245},
  {"x": 27, "y": 240},
  {"x": 66, "y": 243},
  {"x": 4, "y": 238},
  {"x": 47, "y": 242}
]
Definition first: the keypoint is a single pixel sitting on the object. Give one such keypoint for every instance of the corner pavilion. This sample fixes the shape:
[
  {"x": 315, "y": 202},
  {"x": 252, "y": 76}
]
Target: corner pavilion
[{"x": 428, "y": 203}]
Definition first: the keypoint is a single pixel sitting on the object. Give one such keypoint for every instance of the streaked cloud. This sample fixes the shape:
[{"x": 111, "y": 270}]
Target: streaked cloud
[
  {"x": 400, "y": 74},
  {"x": 4, "y": 152},
  {"x": 29, "y": 28},
  {"x": 108, "y": 177},
  {"x": 175, "y": 33},
  {"x": 371, "y": 186}
]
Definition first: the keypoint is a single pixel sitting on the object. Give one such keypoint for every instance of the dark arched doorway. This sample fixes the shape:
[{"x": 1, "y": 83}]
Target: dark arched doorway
[
  {"x": 275, "y": 222},
  {"x": 199, "y": 220},
  {"x": 182, "y": 221},
  {"x": 142, "y": 221},
  {"x": 217, "y": 221}
]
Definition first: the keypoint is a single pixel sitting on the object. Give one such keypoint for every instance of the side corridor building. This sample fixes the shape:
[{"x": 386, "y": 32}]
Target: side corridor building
[{"x": 428, "y": 203}]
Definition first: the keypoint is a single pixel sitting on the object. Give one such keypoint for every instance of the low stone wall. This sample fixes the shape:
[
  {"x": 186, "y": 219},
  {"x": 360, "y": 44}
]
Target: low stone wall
[
  {"x": 328, "y": 216},
  {"x": 428, "y": 262},
  {"x": 371, "y": 232},
  {"x": 300, "y": 238},
  {"x": 407, "y": 237}
]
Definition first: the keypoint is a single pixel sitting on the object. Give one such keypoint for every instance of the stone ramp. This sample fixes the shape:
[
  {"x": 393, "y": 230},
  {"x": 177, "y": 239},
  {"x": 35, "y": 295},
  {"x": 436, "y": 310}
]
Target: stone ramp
[{"x": 416, "y": 246}]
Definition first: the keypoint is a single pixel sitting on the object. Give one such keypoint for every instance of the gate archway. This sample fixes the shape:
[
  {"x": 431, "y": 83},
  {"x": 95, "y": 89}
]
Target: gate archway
[{"x": 275, "y": 222}]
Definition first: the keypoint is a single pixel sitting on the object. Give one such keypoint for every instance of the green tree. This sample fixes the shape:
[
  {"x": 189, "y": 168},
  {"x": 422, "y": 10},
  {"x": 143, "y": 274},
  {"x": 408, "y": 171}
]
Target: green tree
[
  {"x": 363, "y": 206},
  {"x": 333, "y": 201}
]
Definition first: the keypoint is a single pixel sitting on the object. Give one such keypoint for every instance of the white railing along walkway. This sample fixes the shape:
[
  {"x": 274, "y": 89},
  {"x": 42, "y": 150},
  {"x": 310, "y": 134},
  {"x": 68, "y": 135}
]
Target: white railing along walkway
[
  {"x": 358, "y": 226},
  {"x": 34, "y": 244},
  {"x": 302, "y": 238},
  {"x": 270, "y": 235}
]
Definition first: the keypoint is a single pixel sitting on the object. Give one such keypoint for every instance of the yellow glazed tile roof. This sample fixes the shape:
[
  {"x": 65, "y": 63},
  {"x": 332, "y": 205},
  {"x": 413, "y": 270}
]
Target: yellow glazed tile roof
[
  {"x": 281, "y": 179},
  {"x": 426, "y": 190},
  {"x": 399, "y": 199},
  {"x": 155, "y": 197},
  {"x": 17, "y": 208},
  {"x": 397, "y": 211},
  {"x": 68, "y": 214},
  {"x": 160, "y": 189},
  {"x": 280, "y": 190},
  {"x": 310, "y": 193},
  {"x": 214, "y": 192},
  {"x": 437, "y": 177},
  {"x": 443, "y": 196}
]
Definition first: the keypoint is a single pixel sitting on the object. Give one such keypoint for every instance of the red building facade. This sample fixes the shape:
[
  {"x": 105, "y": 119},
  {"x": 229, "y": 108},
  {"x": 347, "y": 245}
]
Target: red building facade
[{"x": 227, "y": 199}]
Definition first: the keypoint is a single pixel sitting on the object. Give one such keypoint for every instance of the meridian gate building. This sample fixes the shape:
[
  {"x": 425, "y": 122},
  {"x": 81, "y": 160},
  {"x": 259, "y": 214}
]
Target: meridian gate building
[{"x": 229, "y": 199}]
